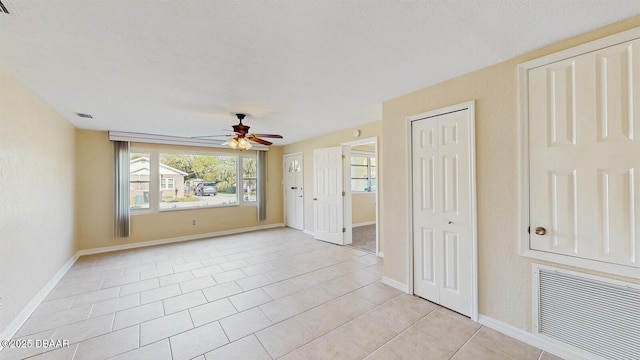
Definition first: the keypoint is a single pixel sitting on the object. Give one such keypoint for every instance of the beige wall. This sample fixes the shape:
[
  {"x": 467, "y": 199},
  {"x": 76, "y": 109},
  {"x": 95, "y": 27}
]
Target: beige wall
[
  {"x": 504, "y": 277},
  {"x": 364, "y": 208},
  {"x": 95, "y": 200},
  {"x": 369, "y": 130},
  {"x": 36, "y": 192}
]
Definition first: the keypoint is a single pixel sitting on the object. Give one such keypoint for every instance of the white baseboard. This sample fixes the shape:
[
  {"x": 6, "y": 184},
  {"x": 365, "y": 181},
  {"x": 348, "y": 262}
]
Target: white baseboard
[
  {"x": 309, "y": 232},
  {"x": 395, "y": 284},
  {"x": 364, "y": 223},
  {"x": 26, "y": 312},
  {"x": 176, "y": 239},
  {"x": 564, "y": 352},
  {"x": 380, "y": 254}
]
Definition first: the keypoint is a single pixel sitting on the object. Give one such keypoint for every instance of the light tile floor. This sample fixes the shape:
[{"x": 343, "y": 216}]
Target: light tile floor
[{"x": 262, "y": 295}]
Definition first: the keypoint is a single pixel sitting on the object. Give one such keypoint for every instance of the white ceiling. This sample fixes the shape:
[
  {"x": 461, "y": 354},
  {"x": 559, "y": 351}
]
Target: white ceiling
[{"x": 299, "y": 68}]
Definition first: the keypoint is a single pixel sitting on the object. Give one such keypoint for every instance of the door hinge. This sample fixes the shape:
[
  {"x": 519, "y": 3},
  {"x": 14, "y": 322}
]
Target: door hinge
[
  {"x": 344, "y": 194},
  {"x": 344, "y": 230},
  {"x": 343, "y": 157}
]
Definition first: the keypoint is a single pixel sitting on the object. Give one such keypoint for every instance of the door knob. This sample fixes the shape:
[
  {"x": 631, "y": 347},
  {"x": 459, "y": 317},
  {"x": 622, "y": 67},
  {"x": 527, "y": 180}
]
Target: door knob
[{"x": 541, "y": 231}]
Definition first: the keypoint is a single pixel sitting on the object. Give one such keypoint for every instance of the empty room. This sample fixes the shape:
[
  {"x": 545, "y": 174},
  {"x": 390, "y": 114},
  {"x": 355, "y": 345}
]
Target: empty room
[{"x": 348, "y": 179}]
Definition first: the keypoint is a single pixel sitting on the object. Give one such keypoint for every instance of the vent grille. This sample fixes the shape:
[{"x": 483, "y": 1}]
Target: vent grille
[
  {"x": 594, "y": 315},
  {"x": 86, "y": 116},
  {"x": 3, "y": 8}
]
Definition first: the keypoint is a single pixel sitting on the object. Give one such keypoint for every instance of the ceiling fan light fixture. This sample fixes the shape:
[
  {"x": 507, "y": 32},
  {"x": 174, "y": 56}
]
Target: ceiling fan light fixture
[
  {"x": 243, "y": 143},
  {"x": 239, "y": 142}
]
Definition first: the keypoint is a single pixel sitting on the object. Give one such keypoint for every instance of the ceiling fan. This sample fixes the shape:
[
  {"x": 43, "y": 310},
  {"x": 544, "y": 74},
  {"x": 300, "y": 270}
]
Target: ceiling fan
[{"x": 242, "y": 138}]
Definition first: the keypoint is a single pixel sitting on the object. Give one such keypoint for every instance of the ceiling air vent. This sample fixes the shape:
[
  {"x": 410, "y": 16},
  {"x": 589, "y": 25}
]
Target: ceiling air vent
[
  {"x": 86, "y": 116},
  {"x": 3, "y": 8}
]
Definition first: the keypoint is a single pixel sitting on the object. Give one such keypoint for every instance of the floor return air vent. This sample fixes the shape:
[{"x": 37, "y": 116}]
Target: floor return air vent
[{"x": 597, "y": 317}]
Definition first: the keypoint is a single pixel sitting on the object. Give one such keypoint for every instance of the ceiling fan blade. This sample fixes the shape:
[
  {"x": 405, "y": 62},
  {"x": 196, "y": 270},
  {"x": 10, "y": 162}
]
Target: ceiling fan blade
[
  {"x": 275, "y": 136},
  {"x": 252, "y": 137}
]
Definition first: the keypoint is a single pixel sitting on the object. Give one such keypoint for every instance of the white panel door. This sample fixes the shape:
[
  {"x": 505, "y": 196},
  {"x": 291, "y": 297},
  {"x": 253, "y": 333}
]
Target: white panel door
[
  {"x": 293, "y": 192},
  {"x": 584, "y": 155},
  {"x": 442, "y": 210},
  {"x": 328, "y": 195}
]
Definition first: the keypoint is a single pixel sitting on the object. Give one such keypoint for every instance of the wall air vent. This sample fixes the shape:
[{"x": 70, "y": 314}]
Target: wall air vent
[
  {"x": 592, "y": 314},
  {"x": 3, "y": 8}
]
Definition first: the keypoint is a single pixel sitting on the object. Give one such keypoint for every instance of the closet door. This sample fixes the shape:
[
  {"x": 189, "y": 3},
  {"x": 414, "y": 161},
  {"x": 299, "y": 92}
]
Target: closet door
[
  {"x": 442, "y": 209},
  {"x": 583, "y": 155}
]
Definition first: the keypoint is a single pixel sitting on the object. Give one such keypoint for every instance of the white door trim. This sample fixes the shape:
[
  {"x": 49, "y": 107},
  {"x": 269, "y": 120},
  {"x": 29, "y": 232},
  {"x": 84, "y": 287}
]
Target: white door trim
[
  {"x": 473, "y": 221},
  {"x": 347, "y": 203},
  {"x": 379, "y": 184},
  {"x": 284, "y": 184}
]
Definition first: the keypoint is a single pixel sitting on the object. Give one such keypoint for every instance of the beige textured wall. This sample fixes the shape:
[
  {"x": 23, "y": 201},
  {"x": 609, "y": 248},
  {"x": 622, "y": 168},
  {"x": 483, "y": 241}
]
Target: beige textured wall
[
  {"x": 364, "y": 208},
  {"x": 504, "y": 276},
  {"x": 95, "y": 201},
  {"x": 373, "y": 129},
  {"x": 36, "y": 196}
]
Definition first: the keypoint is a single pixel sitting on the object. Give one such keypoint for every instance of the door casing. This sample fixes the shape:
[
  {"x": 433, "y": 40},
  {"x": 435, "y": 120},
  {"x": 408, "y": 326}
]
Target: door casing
[{"x": 348, "y": 208}]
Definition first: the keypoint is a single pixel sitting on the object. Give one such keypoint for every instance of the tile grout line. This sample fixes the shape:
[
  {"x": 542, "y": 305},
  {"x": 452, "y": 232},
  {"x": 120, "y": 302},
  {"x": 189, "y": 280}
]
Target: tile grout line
[
  {"x": 265, "y": 348},
  {"x": 466, "y": 342}
]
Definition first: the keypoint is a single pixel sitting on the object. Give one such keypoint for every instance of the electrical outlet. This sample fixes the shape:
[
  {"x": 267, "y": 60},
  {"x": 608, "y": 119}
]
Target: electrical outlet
[{"x": 194, "y": 222}]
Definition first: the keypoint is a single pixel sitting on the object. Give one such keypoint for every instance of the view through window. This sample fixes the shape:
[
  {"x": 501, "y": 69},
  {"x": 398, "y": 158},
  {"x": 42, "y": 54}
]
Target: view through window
[
  {"x": 363, "y": 173},
  {"x": 192, "y": 180},
  {"x": 139, "y": 175}
]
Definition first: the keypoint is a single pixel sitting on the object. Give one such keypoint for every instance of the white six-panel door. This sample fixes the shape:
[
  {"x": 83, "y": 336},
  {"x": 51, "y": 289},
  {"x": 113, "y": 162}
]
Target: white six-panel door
[
  {"x": 584, "y": 155},
  {"x": 293, "y": 192},
  {"x": 442, "y": 209},
  {"x": 327, "y": 194}
]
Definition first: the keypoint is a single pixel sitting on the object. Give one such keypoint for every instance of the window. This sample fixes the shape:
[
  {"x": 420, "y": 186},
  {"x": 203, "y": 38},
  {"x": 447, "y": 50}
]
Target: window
[
  {"x": 139, "y": 174},
  {"x": 363, "y": 172},
  {"x": 183, "y": 180},
  {"x": 249, "y": 179},
  {"x": 167, "y": 183},
  {"x": 198, "y": 180}
]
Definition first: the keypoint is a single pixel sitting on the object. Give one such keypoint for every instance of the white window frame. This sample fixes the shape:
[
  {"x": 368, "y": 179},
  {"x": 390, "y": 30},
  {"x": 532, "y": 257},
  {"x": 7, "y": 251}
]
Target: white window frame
[{"x": 155, "y": 182}]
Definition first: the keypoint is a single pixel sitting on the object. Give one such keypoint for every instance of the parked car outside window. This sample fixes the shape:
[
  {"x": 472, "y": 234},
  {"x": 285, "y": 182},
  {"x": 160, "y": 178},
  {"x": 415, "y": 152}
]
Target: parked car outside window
[{"x": 209, "y": 188}]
